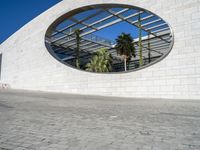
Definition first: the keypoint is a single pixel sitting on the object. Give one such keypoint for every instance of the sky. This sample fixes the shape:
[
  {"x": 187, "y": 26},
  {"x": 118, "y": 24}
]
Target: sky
[
  {"x": 111, "y": 32},
  {"x": 16, "y": 13}
]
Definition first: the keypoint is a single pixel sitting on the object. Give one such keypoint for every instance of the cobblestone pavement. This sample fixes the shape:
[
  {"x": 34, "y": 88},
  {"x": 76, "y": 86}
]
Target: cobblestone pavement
[{"x": 45, "y": 121}]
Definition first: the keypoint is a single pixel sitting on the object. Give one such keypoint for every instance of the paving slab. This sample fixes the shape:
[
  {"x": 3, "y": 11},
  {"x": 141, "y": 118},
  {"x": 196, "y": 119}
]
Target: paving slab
[{"x": 53, "y": 121}]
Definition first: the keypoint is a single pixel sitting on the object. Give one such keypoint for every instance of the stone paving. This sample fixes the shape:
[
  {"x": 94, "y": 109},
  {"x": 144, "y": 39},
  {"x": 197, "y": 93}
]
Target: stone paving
[{"x": 46, "y": 121}]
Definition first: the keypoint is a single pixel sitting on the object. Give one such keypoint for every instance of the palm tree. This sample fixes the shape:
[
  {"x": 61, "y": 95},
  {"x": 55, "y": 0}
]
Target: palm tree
[
  {"x": 101, "y": 62},
  {"x": 140, "y": 41},
  {"x": 77, "y": 33},
  {"x": 125, "y": 47},
  {"x": 149, "y": 48}
]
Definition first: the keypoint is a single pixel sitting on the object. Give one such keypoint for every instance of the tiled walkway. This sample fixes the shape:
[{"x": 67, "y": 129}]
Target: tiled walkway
[{"x": 37, "y": 121}]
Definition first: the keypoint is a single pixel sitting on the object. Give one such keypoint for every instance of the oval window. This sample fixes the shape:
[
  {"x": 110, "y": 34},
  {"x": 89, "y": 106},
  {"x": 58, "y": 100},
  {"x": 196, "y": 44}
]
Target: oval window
[{"x": 109, "y": 38}]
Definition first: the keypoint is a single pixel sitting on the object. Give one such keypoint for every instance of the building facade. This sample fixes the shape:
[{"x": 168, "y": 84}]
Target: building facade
[{"x": 27, "y": 64}]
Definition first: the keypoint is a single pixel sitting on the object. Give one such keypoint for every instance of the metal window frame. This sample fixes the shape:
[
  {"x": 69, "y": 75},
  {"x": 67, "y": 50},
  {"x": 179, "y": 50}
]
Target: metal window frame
[{"x": 118, "y": 14}]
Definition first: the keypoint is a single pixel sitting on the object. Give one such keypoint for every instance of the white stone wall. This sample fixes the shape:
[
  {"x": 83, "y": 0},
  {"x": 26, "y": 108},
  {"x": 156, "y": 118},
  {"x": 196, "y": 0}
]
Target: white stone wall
[{"x": 26, "y": 63}]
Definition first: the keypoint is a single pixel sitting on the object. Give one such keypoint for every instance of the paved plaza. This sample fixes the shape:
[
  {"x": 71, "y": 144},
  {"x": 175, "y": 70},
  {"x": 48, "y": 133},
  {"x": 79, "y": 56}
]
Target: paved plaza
[{"x": 47, "y": 121}]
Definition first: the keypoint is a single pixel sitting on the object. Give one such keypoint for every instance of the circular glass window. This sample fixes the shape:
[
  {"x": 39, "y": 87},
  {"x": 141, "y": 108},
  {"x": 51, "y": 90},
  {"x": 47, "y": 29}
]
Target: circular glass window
[{"x": 109, "y": 38}]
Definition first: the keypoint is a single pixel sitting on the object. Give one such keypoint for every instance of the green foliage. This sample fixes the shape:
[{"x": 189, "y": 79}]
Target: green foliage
[
  {"x": 149, "y": 48},
  {"x": 101, "y": 62},
  {"x": 77, "y": 33},
  {"x": 125, "y": 47},
  {"x": 140, "y": 41}
]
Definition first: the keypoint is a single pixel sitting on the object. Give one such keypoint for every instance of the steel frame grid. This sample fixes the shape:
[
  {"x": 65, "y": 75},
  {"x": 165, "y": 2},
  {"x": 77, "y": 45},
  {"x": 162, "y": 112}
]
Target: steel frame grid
[{"x": 117, "y": 14}]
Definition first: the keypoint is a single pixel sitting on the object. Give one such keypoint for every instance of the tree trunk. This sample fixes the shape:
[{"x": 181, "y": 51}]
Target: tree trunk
[
  {"x": 149, "y": 48},
  {"x": 140, "y": 42},
  {"x": 77, "y": 32},
  {"x": 124, "y": 63},
  {"x": 77, "y": 55}
]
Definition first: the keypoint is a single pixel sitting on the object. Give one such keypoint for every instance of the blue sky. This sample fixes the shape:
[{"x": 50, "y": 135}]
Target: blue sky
[
  {"x": 114, "y": 31},
  {"x": 16, "y": 13},
  {"x": 111, "y": 32}
]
